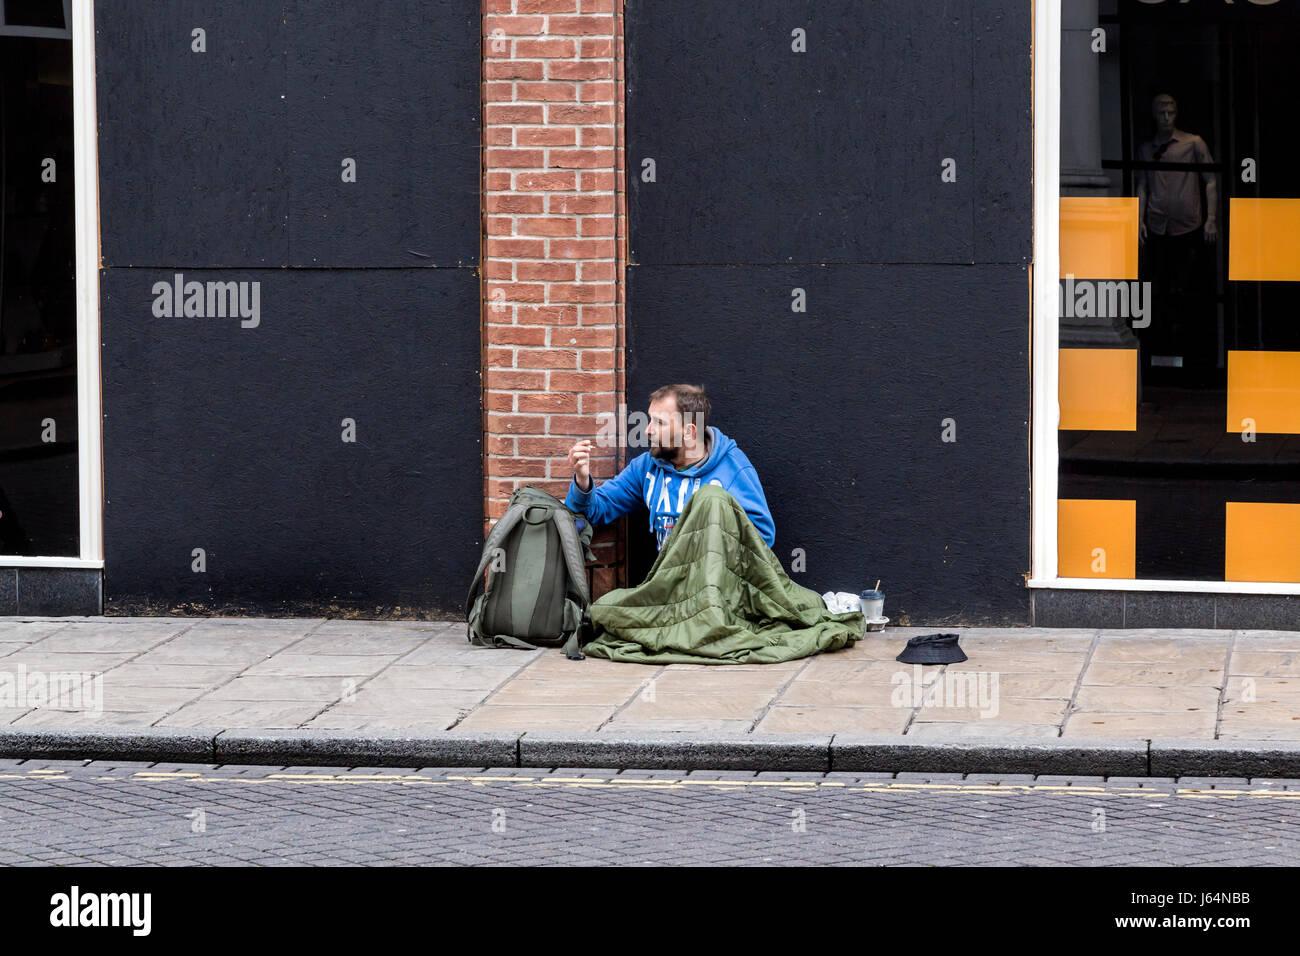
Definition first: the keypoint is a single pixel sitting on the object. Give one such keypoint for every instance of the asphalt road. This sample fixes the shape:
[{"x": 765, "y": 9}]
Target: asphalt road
[{"x": 75, "y": 813}]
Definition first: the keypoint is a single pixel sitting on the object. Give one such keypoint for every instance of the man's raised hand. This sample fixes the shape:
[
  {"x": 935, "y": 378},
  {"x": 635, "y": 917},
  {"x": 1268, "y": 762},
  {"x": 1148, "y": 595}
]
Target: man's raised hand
[{"x": 580, "y": 463}]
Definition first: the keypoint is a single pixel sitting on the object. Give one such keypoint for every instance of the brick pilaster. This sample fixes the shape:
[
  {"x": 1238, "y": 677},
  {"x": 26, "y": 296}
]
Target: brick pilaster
[{"x": 554, "y": 247}]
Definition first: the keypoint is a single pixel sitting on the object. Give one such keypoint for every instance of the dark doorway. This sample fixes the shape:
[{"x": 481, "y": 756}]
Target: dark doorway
[{"x": 38, "y": 316}]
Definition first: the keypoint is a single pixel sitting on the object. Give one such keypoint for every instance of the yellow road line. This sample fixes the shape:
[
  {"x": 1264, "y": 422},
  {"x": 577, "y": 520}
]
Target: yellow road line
[{"x": 162, "y": 774}]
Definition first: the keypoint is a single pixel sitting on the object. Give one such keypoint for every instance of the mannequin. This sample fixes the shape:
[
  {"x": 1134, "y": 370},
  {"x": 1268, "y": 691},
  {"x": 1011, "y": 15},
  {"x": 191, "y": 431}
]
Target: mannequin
[{"x": 1173, "y": 229}]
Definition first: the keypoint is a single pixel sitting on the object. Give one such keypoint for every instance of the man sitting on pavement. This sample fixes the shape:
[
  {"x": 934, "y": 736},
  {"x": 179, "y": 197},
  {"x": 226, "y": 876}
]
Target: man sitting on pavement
[
  {"x": 717, "y": 593},
  {"x": 685, "y": 452}
]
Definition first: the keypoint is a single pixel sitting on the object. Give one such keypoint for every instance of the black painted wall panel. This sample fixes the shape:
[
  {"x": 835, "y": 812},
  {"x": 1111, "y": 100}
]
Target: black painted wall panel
[
  {"x": 395, "y": 87},
  {"x": 230, "y": 439},
  {"x": 841, "y": 412},
  {"x": 233, "y": 157},
  {"x": 918, "y": 293},
  {"x": 192, "y": 147},
  {"x": 1004, "y": 134},
  {"x": 765, "y": 155},
  {"x": 221, "y": 164}
]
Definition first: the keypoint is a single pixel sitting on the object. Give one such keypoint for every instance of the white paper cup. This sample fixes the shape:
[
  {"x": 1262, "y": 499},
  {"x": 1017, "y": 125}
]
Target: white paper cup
[{"x": 873, "y": 605}]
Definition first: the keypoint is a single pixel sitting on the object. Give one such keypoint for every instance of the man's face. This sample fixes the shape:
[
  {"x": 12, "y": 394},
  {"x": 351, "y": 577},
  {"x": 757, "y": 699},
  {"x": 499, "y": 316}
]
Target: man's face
[
  {"x": 665, "y": 429},
  {"x": 1165, "y": 110}
]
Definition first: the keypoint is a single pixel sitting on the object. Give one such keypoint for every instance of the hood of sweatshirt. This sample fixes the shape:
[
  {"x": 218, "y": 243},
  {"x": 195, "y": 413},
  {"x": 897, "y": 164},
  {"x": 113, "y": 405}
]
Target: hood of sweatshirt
[
  {"x": 667, "y": 489},
  {"x": 718, "y": 447}
]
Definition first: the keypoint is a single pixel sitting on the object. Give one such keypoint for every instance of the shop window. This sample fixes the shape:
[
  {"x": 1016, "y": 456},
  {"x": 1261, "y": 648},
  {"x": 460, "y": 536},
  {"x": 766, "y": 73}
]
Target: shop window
[{"x": 1178, "y": 353}]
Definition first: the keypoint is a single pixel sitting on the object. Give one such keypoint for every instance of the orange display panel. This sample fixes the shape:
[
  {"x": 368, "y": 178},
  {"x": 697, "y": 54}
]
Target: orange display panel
[
  {"x": 1099, "y": 237},
  {"x": 1264, "y": 392},
  {"x": 1096, "y": 538},
  {"x": 1264, "y": 240},
  {"x": 1262, "y": 541},
  {"x": 1098, "y": 389}
]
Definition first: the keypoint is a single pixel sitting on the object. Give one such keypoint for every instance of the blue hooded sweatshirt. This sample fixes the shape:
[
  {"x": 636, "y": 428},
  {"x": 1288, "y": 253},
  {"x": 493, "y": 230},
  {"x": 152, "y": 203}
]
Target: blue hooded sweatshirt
[{"x": 664, "y": 490}]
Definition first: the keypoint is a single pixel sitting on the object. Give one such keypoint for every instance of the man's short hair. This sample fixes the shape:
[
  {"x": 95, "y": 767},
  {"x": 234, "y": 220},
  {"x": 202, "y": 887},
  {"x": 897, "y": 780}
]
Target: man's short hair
[{"x": 692, "y": 404}]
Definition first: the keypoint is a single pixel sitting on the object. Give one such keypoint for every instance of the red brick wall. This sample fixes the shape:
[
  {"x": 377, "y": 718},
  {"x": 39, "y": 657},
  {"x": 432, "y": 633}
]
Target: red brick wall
[{"x": 554, "y": 247}]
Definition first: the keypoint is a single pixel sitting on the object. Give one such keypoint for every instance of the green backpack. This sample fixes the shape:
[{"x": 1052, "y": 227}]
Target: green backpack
[{"x": 536, "y": 587}]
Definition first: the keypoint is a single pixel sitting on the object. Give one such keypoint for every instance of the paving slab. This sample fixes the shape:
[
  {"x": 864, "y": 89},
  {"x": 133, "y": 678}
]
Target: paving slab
[
  {"x": 1158, "y": 674},
  {"x": 485, "y": 678},
  {"x": 197, "y": 676},
  {"x": 48, "y": 662},
  {"x": 380, "y": 723},
  {"x": 278, "y": 714},
  {"x": 619, "y": 724},
  {"x": 737, "y": 705},
  {"x": 612, "y": 693},
  {"x": 522, "y": 717},
  {"x": 1181, "y": 724},
  {"x": 377, "y": 700},
  {"x": 823, "y": 693},
  {"x": 1231, "y": 730},
  {"x": 1145, "y": 699},
  {"x": 998, "y": 709},
  {"x": 1026, "y": 662},
  {"x": 1274, "y": 663},
  {"x": 975, "y": 729},
  {"x": 42, "y": 717},
  {"x": 823, "y": 719},
  {"x": 1242, "y": 640}
]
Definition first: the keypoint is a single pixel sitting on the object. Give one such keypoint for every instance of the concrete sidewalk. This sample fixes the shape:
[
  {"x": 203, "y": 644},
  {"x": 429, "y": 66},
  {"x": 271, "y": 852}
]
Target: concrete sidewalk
[{"x": 349, "y": 680}]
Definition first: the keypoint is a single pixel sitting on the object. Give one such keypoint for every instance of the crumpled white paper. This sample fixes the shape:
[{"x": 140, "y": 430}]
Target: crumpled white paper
[{"x": 842, "y": 601}]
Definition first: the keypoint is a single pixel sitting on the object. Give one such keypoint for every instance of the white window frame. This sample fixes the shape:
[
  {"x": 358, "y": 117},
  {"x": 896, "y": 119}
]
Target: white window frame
[
  {"x": 1046, "y": 409},
  {"x": 90, "y": 464}
]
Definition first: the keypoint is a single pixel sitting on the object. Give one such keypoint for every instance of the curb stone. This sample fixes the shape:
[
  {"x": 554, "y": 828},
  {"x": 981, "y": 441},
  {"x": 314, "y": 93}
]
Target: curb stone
[
  {"x": 102, "y": 742},
  {"x": 1225, "y": 758},
  {"x": 331, "y": 748},
  {"x": 819, "y": 753},
  {"x": 990, "y": 755},
  {"x": 678, "y": 751}
]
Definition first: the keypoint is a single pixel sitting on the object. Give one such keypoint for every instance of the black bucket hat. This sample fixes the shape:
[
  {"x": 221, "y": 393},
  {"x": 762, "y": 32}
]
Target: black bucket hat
[{"x": 932, "y": 649}]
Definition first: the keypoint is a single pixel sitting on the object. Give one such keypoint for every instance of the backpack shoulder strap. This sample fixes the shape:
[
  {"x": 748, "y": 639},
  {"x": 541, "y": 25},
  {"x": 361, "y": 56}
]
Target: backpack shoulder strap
[
  {"x": 505, "y": 640},
  {"x": 573, "y": 553},
  {"x": 573, "y": 556},
  {"x": 514, "y": 514}
]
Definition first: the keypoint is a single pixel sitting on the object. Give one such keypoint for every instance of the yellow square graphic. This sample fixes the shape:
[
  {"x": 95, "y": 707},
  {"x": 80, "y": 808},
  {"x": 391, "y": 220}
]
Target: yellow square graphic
[
  {"x": 1099, "y": 237},
  {"x": 1264, "y": 392},
  {"x": 1264, "y": 240},
  {"x": 1096, "y": 538},
  {"x": 1098, "y": 389},
  {"x": 1262, "y": 541}
]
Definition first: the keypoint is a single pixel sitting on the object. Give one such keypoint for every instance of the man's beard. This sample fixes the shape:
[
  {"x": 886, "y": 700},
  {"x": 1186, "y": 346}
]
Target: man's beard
[{"x": 666, "y": 452}]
